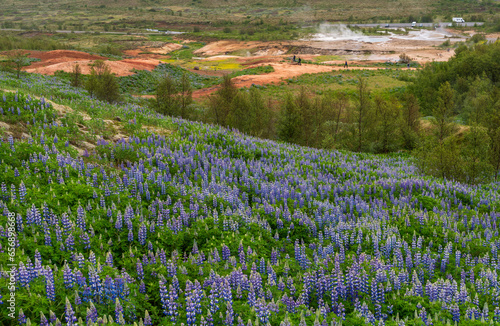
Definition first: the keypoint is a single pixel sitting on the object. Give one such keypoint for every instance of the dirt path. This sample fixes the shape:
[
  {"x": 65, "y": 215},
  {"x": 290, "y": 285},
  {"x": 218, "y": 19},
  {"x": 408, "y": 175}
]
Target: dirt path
[
  {"x": 282, "y": 71},
  {"x": 50, "y": 64}
]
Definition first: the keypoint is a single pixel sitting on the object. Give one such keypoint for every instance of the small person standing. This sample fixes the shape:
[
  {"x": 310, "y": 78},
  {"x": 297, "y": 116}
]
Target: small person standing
[
  {"x": 345, "y": 65},
  {"x": 300, "y": 62},
  {"x": 293, "y": 60}
]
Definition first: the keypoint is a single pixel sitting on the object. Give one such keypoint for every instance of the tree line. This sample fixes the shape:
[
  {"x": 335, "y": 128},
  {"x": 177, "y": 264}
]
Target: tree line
[{"x": 463, "y": 98}]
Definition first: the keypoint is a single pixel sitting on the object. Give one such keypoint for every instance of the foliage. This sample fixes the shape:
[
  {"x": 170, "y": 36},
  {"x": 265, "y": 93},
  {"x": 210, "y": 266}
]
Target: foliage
[
  {"x": 467, "y": 86},
  {"x": 13, "y": 42},
  {"x": 253, "y": 71},
  {"x": 144, "y": 82},
  {"x": 16, "y": 60},
  {"x": 76, "y": 76},
  {"x": 101, "y": 83},
  {"x": 469, "y": 63},
  {"x": 174, "y": 98}
]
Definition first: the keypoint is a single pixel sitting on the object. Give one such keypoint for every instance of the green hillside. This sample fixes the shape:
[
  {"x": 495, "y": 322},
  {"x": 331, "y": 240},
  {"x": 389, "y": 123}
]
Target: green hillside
[{"x": 117, "y": 215}]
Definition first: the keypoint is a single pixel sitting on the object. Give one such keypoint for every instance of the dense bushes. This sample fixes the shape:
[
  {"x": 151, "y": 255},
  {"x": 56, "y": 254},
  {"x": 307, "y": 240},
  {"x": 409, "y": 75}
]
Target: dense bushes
[
  {"x": 245, "y": 111},
  {"x": 101, "y": 83},
  {"x": 144, "y": 82},
  {"x": 469, "y": 63},
  {"x": 173, "y": 98},
  {"x": 16, "y": 60},
  {"x": 11, "y": 42},
  {"x": 464, "y": 88}
]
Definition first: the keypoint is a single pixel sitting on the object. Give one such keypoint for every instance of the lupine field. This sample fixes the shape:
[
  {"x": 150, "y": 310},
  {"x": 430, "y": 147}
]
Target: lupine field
[{"x": 194, "y": 224}]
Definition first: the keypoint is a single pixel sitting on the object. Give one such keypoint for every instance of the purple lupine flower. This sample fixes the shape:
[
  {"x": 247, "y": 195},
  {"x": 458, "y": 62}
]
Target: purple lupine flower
[
  {"x": 251, "y": 296},
  {"x": 147, "y": 319},
  {"x": 94, "y": 282},
  {"x": 341, "y": 311},
  {"x": 109, "y": 289},
  {"x": 50, "y": 290},
  {"x": 70, "y": 314},
  {"x": 241, "y": 253},
  {"x": 119, "y": 221},
  {"x": 52, "y": 317},
  {"x": 171, "y": 268},
  {"x": 85, "y": 240},
  {"x": 92, "y": 259},
  {"x": 142, "y": 234},
  {"x": 190, "y": 312},
  {"x": 70, "y": 242},
  {"x": 69, "y": 278},
  {"x": 262, "y": 311},
  {"x": 226, "y": 253},
  {"x": 118, "y": 311},
  {"x": 197, "y": 296},
  {"x": 43, "y": 320},
  {"x": 229, "y": 314},
  {"x": 24, "y": 277},
  {"x": 22, "y": 192},
  {"x": 168, "y": 301},
  {"x": 213, "y": 298},
  {"x": 140, "y": 270},
  {"x": 109, "y": 259},
  {"x": 423, "y": 315},
  {"x": 21, "y": 317},
  {"x": 455, "y": 313},
  {"x": 496, "y": 314},
  {"x": 89, "y": 317},
  {"x": 78, "y": 300},
  {"x": 226, "y": 291},
  {"x": 80, "y": 218},
  {"x": 486, "y": 312},
  {"x": 93, "y": 312}
]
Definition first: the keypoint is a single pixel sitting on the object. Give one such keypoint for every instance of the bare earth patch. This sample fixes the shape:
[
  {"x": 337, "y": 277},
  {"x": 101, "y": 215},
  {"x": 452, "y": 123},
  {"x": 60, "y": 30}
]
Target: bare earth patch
[
  {"x": 65, "y": 60},
  {"x": 165, "y": 49},
  {"x": 282, "y": 71},
  {"x": 224, "y": 47}
]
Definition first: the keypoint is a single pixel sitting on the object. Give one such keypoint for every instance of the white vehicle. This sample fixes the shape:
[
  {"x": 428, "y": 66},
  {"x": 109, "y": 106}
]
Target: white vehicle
[
  {"x": 413, "y": 24},
  {"x": 458, "y": 20}
]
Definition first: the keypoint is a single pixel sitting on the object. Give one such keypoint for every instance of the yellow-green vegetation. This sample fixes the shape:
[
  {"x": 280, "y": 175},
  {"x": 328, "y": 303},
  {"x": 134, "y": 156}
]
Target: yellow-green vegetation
[
  {"x": 323, "y": 58},
  {"x": 228, "y": 64},
  {"x": 223, "y": 64},
  {"x": 244, "y": 52},
  {"x": 186, "y": 58},
  {"x": 344, "y": 80}
]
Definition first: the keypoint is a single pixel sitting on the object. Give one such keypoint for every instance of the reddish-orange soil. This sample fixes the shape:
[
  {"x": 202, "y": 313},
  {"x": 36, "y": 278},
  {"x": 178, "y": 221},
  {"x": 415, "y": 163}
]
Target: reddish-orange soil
[
  {"x": 251, "y": 54},
  {"x": 282, "y": 71},
  {"x": 64, "y": 60},
  {"x": 65, "y": 55}
]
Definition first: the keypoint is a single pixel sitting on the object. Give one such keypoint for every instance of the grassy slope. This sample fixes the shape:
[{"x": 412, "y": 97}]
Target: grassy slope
[{"x": 396, "y": 215}]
